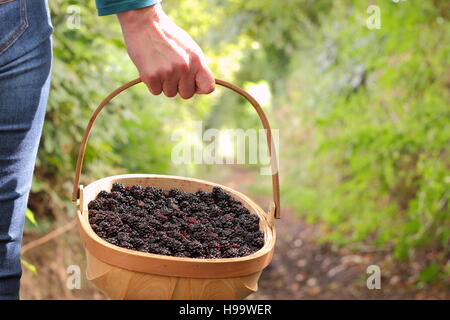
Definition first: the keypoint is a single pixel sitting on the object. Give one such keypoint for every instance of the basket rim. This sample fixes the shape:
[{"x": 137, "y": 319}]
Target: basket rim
[{"x": 265, "y": 253}]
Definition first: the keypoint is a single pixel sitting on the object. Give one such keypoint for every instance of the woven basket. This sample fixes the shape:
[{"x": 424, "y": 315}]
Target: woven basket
[{"x": 128, "y": 274}]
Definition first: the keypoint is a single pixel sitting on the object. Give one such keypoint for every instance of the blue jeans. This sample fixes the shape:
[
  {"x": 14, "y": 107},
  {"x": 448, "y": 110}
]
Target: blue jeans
[{"x": 25, "y": 64}]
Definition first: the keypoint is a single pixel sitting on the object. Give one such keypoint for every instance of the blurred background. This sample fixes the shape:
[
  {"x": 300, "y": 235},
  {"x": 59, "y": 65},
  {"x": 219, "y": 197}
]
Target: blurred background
[{"x": 363, "y": 114}]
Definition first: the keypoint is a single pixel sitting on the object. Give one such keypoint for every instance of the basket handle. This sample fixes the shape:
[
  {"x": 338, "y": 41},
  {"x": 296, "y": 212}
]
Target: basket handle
[{"x": 275, "y": 206}]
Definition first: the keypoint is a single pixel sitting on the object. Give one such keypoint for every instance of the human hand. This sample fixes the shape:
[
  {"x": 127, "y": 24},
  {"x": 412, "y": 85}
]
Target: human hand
[{"x": 167, "y": 58}]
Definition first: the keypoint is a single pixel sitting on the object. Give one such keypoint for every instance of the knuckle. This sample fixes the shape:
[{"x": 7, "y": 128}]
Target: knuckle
[
  {"x": 182, "y": 66},
  {"x": 166, "y": 73},
  {"x": 195, "y": 58},
  {"x": 149, "y": 78}
]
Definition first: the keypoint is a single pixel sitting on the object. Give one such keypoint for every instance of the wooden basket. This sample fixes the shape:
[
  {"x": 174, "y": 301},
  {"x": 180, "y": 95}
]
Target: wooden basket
[{"x": 128, "y": 274}]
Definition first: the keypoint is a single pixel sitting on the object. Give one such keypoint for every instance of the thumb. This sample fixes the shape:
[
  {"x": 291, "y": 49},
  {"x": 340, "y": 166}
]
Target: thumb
[{"x": 204, "y": 81}]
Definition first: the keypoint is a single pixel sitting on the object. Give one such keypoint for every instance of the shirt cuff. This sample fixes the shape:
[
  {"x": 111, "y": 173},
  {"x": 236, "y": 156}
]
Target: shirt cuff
[{"x": 124, "y": 5}]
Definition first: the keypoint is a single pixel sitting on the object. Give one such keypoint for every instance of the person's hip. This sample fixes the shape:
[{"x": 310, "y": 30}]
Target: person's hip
[{"x": 24, "y": 25}]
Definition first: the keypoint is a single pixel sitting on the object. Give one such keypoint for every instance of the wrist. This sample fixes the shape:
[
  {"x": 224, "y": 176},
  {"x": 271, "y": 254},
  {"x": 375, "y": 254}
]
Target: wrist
[{"x": 135, "y": 17}]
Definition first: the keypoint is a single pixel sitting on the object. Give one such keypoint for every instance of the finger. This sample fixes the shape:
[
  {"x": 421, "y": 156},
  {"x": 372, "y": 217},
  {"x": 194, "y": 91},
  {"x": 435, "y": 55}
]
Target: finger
[
  {"x": 153, "y": 84},
  {"x": 204, "y": 81},
  {"x": 186, "y": 86},
  {"x": 170, "y": 87}
]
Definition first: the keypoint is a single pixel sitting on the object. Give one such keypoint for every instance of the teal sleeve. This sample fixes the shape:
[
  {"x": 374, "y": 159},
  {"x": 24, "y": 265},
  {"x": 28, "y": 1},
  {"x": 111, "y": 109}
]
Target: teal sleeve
[{"x": 106, "y": 7}]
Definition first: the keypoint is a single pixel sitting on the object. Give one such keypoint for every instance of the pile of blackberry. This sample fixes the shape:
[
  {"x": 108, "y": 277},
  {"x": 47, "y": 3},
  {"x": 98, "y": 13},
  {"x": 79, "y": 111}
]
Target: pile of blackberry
[{"x": 175, "y": 223}]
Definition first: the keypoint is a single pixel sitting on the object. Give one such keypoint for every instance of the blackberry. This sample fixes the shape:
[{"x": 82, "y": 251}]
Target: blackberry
[
  {"x": 225, "y": 245},
  {"x": 149, "y": 205},
  {"x": 194, "y": 247},
  {"x": 103, "y": 194},
  {"x": 231, "y": 253},
  {"x": 245, "y": 251},
  {"x": 249, "y": 222},
  {"x": 174, "y": 245},
  {"x": 219, "y": 194},
  {"x": 95, "y": 205},
  {"x": 257, "y": 242},
  {"x": 174, "y": 193},
  {"x": 227, "y": 221},
  {"x": 113, "y": 241},
  {"x": 126, "y": 245},
  {"x": 241, "y": 211},
  {"x": 118, "y": 187},
  {"x": 175, "y": 235},
  {"x": 196, "y": 225},
  {"x": 154, "y": 223},
  {"x": 201, "y": 236},
  {"x": 137, "y": 192}
]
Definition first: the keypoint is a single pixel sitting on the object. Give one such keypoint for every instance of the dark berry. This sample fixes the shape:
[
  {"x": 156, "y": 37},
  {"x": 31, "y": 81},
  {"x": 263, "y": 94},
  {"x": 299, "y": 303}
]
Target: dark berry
[{"x": 194, "y": 225}]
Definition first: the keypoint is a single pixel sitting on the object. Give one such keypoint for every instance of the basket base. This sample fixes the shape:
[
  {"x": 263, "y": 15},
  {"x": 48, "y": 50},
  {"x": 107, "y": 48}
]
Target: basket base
[{"x": 122, "y": 284}]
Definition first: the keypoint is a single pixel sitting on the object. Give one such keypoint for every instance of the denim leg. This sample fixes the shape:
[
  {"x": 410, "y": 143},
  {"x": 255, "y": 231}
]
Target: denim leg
[{"x": 24, "y": 87}]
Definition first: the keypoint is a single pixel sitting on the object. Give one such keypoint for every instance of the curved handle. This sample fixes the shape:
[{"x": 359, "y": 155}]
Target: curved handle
[{"x": 246, "y": 95}]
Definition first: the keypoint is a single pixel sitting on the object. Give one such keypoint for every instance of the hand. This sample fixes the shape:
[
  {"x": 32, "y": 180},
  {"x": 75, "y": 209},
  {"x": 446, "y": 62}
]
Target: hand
[{"x": 165, "y": 55}]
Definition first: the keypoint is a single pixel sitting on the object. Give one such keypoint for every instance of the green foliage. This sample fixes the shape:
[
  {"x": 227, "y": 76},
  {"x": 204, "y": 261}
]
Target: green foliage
[{"x": 374, "y": 113}]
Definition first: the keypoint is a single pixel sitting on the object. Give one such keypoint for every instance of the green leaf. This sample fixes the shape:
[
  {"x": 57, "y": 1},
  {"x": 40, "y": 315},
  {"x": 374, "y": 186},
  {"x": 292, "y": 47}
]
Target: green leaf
[
  {"x": 30, "y": 216},
  {"x": 29, "y": 266}
]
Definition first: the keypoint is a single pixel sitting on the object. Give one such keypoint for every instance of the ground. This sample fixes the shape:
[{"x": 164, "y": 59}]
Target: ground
[{"x": 301, "y": 268}]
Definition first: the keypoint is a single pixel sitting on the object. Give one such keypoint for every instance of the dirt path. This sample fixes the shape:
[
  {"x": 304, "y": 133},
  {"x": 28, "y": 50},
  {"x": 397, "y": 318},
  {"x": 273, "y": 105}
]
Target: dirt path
[
  {"x": 303, "y": 269},
  {"x": 300, "y": 269}
]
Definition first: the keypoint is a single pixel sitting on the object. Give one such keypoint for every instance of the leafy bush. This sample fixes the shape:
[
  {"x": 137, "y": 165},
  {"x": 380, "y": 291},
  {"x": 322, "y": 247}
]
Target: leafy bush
[{"x": 374, "y": 108}]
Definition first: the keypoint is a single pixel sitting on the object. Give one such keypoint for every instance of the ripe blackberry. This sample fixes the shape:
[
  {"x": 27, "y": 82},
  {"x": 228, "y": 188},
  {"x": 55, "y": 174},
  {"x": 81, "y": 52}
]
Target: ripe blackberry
[
  {"x": 185, "y": 206},
  {"x": 174, "y": 245},
  {"x": 154, "y": 222},
  {"x": 231, "y": 253},
  {"x": 126, "y": 245},
  {"x": 249, "y": 222},
  {"x": 227, "y": 221},
  {"x": 174, "y": 193},
  {"x": 118, "y": 187},
  {"x": 166, "y": 212},
  {"x": 200, "y": 225},
  {"x": 113, "y": 241},
  {"x": 245, "y": 251},
  {"x": 240, "y": 210},
  {"x": 225, "y": 245},
  {"x": 257, "y": 242},
  {"x": 194, "y": 247},
  {"x": 137, "y": 192},
  {"x": 175, "y": 235},
  {"x": 219, "y": 194},
  {"x": 238, "y": 240},
  {"x": 202, "y": 195},
  {"x": 149, "y": 205},
  {"x": 200, "y": 236},
  {"x": 103, "y": 194},
  {"x": 95, "y": 205}
]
